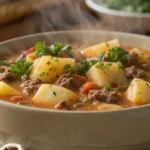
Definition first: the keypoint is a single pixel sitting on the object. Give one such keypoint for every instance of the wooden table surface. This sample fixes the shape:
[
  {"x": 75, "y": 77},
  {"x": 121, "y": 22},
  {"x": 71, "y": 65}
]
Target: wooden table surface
[{"x": 49, "y": 15}]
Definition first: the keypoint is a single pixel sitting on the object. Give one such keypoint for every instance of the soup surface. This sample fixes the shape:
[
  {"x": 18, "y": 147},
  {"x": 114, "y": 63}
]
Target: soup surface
[{"x": 106, "y": 76}]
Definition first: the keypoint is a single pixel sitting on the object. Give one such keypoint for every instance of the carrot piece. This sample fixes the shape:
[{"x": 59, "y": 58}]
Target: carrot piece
[
  {"x": 88, "y": 86},
  {"x": 30, "y": 50},
  {"x": 16, "y": 98}
]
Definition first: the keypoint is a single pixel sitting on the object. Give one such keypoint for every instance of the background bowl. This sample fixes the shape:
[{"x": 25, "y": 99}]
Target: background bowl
[
  {"x": 124, "y": 21},
  {"x": 44, "y": 129}
]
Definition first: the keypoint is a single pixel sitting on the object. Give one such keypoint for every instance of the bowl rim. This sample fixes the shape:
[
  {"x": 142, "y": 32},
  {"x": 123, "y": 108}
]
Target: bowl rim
[
  {"x": 46, "y": 110},
  {"x": 101, "y": 9}
]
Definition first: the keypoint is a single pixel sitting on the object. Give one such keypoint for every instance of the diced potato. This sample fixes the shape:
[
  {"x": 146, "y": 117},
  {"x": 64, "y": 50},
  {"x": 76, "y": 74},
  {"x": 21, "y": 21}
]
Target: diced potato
[
  {"x": 49, "y": 68},
  {"x": 6, "y": 90},
  {"x": 139, "y": 91},
  {"x": 109, "y": 107},
  {"x": 95, "y": 50},
  {"x": 142, "y": 57},
  {"x": 50, "y": 95},
  {"x": 106, "y": 74},
  {"x": 31, "y": 57}
]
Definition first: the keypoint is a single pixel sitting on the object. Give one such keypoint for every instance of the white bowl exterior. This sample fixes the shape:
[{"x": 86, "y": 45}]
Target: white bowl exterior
[
  {"x": 122, "y": 21},
  {"x": 74, "y": 129}
]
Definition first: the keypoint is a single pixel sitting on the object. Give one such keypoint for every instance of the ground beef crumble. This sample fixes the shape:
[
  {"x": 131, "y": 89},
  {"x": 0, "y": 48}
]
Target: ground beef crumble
[
  {"x": 31, "y": 86},
  {"x": 71, "y": 81},
  {"x": 103, "y": 95}
]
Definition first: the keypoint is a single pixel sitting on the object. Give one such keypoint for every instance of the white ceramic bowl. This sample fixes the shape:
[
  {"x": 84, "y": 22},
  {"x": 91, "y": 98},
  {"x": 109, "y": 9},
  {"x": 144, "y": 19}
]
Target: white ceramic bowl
[
  {"x": 121, "y": 20},
  {"x": 44, "y": 129}
]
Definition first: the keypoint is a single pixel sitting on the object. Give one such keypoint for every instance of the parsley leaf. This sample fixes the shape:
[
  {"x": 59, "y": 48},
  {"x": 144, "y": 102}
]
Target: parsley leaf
[
  {"x": 82, "y": 67},
  {"x": 21, "y": 67},
  {"x": 101, "y": 56},
  {"x": 104, "y": 67},
  {"x": 53, "y": 50},
  {"x": 118, "y": 54},
  {"x": 108, "y": 87}
]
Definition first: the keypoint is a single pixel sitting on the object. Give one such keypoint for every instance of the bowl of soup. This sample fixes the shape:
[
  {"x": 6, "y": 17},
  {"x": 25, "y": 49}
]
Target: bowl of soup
[{"x": 75, "y": 90}]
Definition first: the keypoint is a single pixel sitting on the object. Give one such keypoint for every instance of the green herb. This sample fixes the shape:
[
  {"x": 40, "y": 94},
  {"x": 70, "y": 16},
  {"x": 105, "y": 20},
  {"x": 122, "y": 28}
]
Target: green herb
[
  {"x": 53, "y": 50},
  {"x": 48, "y": 63},
  {"x": 67, "y": 49},
  {"x": 104, "y": 67},
  {"x": 54, "y": 93},
  {"x": 3, "y": 62},
  {"x": 147, "y": 84},
  {"x": 108, "y": 87},
  {"x": 101, "y": 56},
  {"x": 84, "y": 65},
  {"x": 68, "y": 68},
  {"x": 118, "y": 54},
  {"x": 42, "y": 74},
  {"x": 120, "y": 66},
  {"x": 21, "y": 67}
]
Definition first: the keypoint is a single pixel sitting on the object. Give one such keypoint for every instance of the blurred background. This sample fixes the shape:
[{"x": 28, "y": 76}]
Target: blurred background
[{"x": 22, "y": 17}]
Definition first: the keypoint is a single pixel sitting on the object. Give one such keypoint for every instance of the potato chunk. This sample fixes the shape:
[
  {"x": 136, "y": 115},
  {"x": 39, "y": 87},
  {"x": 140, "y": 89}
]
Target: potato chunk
[
  {"x": 139, "y": 91},
  {"x": 105, "y": 73},
  {"x": 94, "y": 51},
  {"x": 109, "y": 107},
  {"x": 50, "y": 94},
  {"x": 6, "y": 90},
  {"x": 31, "y": 57},
  {"x": 142, "y": 57},
  {"x": 49, "y": 68}
]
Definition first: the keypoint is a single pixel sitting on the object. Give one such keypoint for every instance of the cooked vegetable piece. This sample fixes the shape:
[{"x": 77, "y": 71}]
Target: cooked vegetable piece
[
  {"x": 30, "y": 50},
  {"x": 88, "y": 86},
  {"x": 109, "y": 107},
  {"x": 6, "y": 90},
  {"x": 49, "y": 95},
  {"x": 95, "y": 50},
  {"x": 53, "y": 50},
  {"x": 50, "y": 68},
  {"x": 31, "y": 57},
  {"x": 139, "y": 91},
  {"x": 21, "y": 67},
  {"x": 104, "y": 73},
  {"x": 141, "y": 56}
]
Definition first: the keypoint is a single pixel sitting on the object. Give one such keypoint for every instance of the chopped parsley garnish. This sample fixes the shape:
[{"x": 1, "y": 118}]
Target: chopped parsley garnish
[
  {"x": 120, "y": 66},
  {"x": 148, "y": 85},
  {"x": 53, "y": 50},
  {"x": 48, "y": 63},
  {"x": 82, "y": 67},
  {"x": 54, "y": 93},
  {"x": 3, "y": 62},
  {"x": 42, "y": 74},
  {"x": 118, "y": 54},
  {"x": 101, "y": 56},
  {"x": 104, "y": 67},
  {"x": 21, "y": 67},
  {"x": 108, "y": 87}
]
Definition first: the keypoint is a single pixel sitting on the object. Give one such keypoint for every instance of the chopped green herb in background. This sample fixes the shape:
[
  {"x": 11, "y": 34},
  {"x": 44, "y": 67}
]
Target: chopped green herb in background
[{"x": 21, "y": 67}]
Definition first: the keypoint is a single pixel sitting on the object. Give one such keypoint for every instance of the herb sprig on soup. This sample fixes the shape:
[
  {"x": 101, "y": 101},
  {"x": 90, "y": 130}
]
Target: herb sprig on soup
[{"x": 106, "y": 76}]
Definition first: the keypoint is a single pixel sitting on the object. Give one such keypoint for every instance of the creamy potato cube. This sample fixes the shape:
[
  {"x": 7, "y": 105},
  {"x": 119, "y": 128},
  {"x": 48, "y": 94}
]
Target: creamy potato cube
[
  {"x": 142, "y": 57},
  {"x": 105, "y": 73},
  {"x": 139, "y": 91},
  {"x": 49, "y": 68},
  {"x": 31, "y": 57},
  {"x": 109, "y": 107},
  {"x": 6, "y": 90},
  {"x": 95, "y": 50},
  {"x": 50, "y": 94}
]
